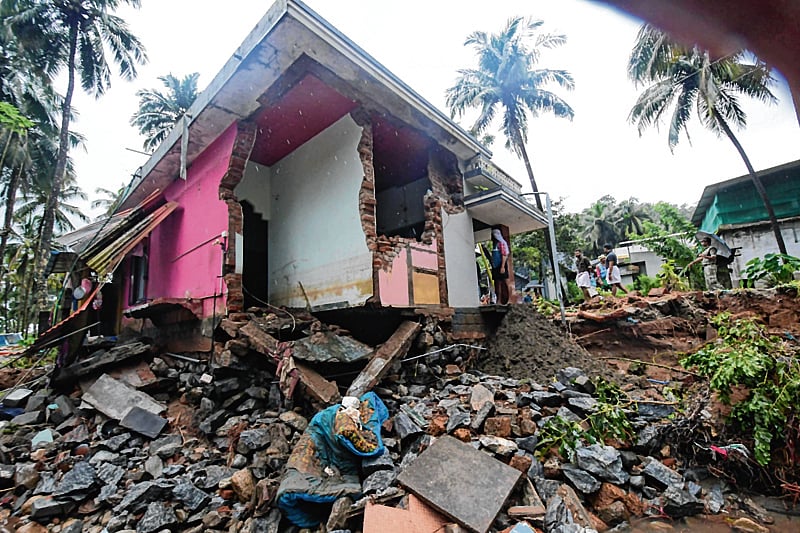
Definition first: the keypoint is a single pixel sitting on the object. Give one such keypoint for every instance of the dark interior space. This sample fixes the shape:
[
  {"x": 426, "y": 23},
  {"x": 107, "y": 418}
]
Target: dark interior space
[
  {"x": 254, "y": 268},
  {"x": 369, "y": 325},
  {"x": 400, "y": 160}
]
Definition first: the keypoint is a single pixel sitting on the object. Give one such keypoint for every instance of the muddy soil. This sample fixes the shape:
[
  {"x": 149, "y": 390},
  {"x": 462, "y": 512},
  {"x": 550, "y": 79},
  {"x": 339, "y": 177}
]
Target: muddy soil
[{"x": 529, "y": 345}]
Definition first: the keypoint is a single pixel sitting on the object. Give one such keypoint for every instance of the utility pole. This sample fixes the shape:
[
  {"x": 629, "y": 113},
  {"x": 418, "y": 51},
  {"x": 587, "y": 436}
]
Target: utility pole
[{"x": 554, "y": 260}]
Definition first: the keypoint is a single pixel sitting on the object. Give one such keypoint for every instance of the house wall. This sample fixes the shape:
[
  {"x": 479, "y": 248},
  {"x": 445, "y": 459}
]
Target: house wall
[
  {"x": 184, "y": 261},
  {"x": 255, "y": 188},
  {"x": 315, "y": 233},
  {"x": 459, "y": 252},
  {"x": 757, "y": 241}
]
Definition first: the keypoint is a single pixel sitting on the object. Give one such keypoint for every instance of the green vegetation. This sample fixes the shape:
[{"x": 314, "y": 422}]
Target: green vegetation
[
  {"x": 774, "y": 269},
  {"x": 608, "y": 421},
  {"x": 745, "y": 358}
]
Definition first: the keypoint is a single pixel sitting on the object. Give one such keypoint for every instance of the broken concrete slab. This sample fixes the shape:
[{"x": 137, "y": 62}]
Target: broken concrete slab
[
  {"x": 317, "y": 386},
  {"x": 327, "y": 347},
  {"x": 98, "y": 362},
  {"x": 394, "y": 348},
  {"x": 260, "y": 340},
  {"x": 418, "y": 518},
  {"x": 143, "y": 422},
  {"x": 114, "y": 398},
  {"x": 461, "y": 482},
  {"x": 17, "y": 398}
]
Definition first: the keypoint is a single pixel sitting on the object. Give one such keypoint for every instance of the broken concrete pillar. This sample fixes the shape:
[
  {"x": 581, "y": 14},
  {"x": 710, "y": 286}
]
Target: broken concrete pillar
[{"x": 394, "y": 348}]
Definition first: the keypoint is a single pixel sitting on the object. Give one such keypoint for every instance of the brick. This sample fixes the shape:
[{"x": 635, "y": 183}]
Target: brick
[{"x": 499, "y": 426}]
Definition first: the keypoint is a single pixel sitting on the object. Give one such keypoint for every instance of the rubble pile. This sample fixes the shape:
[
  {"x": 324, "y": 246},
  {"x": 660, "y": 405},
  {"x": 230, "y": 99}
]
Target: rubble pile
[{"x": 458, "y": 453}]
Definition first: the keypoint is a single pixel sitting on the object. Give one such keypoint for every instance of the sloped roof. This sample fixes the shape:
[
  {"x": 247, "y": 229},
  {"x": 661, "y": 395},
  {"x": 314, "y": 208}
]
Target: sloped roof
[{"x": 288, "y": 34}]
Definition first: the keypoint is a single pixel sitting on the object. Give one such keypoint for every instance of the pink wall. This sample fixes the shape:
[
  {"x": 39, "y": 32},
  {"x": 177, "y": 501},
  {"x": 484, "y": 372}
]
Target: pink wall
[
  {"x": 394, "y": 285},
  {"x": 185, "y": 262}
]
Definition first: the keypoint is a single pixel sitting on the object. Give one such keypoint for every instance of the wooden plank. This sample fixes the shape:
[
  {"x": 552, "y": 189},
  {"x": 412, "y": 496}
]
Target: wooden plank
[{"x": 394, "y": 348}]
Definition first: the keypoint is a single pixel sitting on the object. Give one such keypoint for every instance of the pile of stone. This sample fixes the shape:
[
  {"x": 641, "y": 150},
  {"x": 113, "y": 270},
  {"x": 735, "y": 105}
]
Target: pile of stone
[{"x": 98, "y": 461}]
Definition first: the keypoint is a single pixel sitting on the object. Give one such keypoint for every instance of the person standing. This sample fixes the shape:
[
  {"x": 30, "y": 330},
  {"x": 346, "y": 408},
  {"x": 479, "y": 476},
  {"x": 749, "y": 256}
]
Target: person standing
[
  {"x": 500, "y": 253},
  {"x": 709, "y": 258},
  {"x": 583, "y": 279},
  {"x": 601, "y": 272},
  {"x": 614, "y": 277}
]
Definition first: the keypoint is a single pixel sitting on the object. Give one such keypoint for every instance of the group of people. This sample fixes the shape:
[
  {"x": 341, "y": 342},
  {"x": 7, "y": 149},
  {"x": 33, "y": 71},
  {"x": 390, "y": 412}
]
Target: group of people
[{"x": 604, "y": 274}]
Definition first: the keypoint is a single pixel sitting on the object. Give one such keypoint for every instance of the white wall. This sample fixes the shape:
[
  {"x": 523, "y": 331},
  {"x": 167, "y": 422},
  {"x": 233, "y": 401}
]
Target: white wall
[
  {"x": 254, "y": 188},
  {"x": 315, "y": 233},
  {"x": 459, "y": 257},
  {"x": 757, "y": 241}
]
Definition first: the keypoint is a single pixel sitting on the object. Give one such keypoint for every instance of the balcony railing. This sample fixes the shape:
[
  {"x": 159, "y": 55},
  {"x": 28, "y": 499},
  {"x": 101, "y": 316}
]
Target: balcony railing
[{"x": 482, "y": 172}]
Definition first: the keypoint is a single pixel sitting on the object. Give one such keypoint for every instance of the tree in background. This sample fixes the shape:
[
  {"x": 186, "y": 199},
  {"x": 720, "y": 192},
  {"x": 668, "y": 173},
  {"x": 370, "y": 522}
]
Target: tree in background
[
  {"x": 679, "y": 79},
  {"x": 108, "y": 200},
  {"x": 598, "y": 223},
  {"x": 160, "y": 111},
  {"x": 82, "y": 31}
]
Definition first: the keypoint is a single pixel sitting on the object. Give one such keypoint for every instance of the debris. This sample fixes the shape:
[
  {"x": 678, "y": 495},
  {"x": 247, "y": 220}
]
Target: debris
[
  {"x": 417, "y": 518},
  {"x": 327, "y": 347},
  {"x": 463, "y": 483},
  {"x": 143, "y": 422},
  {"x": 397, "y": 346},
  {"x": 17, "y": 398},
  {"x": 114, "y": 398}
]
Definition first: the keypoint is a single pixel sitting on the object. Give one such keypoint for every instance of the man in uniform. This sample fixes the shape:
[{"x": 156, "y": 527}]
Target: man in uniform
[{"x": 709, "y": 258}]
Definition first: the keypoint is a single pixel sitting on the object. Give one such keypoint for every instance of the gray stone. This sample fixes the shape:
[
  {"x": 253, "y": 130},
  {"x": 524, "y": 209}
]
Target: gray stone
[
  {"x": 143, "y": 422},
  {"x": 498, "y": 445},
  {"x": 109, "y": 474},
  {"x": 583, "y": 383},
  {"x": 527, "y": 443},
  {"x": 214, "y": 421},
  {"x": 479, "y": 395},
  {"x": 661, "y": 474},
  {"x": 383, "y": 461},
  {"x": 581, "y": 479},
  {"x": 78, "y": 482},
  {"x": 568, "y": 375},
  {"x": 650, "y": 412},
  {"x": 463, "y": 483},
  {"x": 637, "y": 482},
  {"x": 17, "y": 398},
  {"x": 557, "y": 514},
  {"x": 404, "y": 427},
  {"x": 602, "y": 461},
  {"x": 157, "y": 517},
  {"x": 154, "y": 466},
  {"x": 547, "y": 488},
  {"x": 27, "y": 419},
  {"x": 190, "y": 496},
  {"x": 679, "y": 503},
  {"x": 36, "y": 402},
  {"x": 43, "y": 438},
  {"x": 44, "y": 508},
  {"x": 114, "y": 398},
  {"x": 166, "y": 446},
  {"x": 103, "y": 456},
  {"x": 557, "y": 387},
  {"x": 648, "y": 439},
  {"x": 485, "y": 412},
  {"x": 378, "y": 481},
  {"x": 629, "y": 459},
  {"x": 213, "y": 475},
  {"x": 26, "y": 475},
  {"x": 141, "y": 494},
  {"x": 297, "y": 421},
  {"x": 64, "y": 409},
  {"x": 714, "y": 500},
  {"x": 568, "y": 415},
  {"x": 251, "y": 440},
  {"x": 270, "y": 524},
  {"x": 547, "y": 399},
  {"x": 46, "y": 485},
  {"x": 457, "y": 419},
  {"x": 583, "y": 405}
]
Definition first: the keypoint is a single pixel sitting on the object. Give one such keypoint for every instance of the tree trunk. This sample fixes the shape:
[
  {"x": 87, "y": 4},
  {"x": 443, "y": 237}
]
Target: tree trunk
[
  {"x": 11, "y": 199},
  {"x": 552, "y": 253},
  {"x": 762, "y": 192},
  {"x": 48, "y": 218}
]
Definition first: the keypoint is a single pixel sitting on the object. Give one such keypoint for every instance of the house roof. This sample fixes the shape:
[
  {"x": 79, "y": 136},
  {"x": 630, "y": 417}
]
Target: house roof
[
  {"x": 287, "y": 44},
  {"x": 767, "y": 176}
]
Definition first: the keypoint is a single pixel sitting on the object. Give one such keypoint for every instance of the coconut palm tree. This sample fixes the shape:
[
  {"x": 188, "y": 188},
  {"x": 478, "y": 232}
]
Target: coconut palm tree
[
  {"x": 599, "y": 224},
  {"x": 629, "y": 217},
  {"x": 160, "y": 111},
  {"x": 507, "y": 81},
  {"x": 679, "y": 79},
  {"x": 83, "y": 30}
]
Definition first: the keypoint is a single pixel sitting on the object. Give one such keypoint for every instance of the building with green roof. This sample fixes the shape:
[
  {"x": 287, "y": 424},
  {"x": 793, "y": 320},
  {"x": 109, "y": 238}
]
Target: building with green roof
[{"x": 733, "y": 210}]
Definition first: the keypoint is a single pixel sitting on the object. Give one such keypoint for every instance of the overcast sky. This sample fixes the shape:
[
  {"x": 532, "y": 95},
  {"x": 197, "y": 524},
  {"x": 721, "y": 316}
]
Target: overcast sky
[{"x": 421, "y": 41}]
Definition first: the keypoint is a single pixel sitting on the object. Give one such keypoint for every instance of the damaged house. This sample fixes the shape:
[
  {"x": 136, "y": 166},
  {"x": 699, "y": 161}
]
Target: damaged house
[{"x": 307, "y": 176}]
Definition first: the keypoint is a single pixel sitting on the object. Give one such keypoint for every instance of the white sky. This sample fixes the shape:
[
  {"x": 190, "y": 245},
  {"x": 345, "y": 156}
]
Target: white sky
[{"x": 421, "y": 41}]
